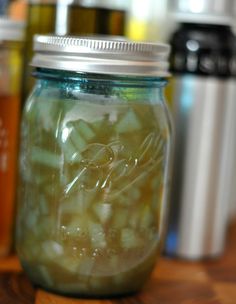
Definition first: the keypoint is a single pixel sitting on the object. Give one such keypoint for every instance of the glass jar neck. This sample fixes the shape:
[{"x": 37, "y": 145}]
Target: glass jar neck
[
  {"x": 99, "y": 79},
  {"x": 72, "y": 85}
]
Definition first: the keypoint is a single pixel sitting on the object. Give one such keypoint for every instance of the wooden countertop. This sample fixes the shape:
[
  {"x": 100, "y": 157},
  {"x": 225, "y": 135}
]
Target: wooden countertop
[{"x": 173, "y": 282}]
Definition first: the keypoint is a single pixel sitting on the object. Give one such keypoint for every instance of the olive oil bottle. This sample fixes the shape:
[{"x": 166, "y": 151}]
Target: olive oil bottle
[{"x": 64, "y": 17}]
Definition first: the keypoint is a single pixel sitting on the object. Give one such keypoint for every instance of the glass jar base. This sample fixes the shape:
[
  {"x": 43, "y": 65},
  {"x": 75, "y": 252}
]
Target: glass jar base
[
  {"x": 89, "y": 296},
  {"x": 96, "y": 287}
]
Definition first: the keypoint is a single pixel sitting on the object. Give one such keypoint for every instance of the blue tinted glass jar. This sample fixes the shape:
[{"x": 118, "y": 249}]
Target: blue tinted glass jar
[{"x": 95, "y": 148}]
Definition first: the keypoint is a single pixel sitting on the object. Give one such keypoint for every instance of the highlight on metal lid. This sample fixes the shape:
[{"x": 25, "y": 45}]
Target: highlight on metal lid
[{"x": 101, "y": 55}]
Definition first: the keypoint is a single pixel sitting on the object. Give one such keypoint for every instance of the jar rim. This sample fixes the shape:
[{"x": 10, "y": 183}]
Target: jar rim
[{"x": 105, "y": 55}]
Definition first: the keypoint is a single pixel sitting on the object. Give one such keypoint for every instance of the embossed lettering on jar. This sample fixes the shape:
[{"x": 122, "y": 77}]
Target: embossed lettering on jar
[{"x": 94, "y": 167}]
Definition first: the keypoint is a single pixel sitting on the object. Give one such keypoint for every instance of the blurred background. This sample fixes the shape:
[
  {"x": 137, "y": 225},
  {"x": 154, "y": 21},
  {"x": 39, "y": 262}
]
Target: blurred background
[{"x": 200, "y": 95}]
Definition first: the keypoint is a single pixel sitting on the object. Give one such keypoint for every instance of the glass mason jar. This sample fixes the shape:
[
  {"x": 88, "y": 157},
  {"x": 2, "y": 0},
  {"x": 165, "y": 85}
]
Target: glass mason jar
[
  {"x": 95, "y": 148},
  {"x": 11, "y": 36}
]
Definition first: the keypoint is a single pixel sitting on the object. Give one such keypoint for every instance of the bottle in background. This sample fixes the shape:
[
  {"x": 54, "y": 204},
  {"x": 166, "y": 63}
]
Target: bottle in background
[
  {"x": 231, "y": 191},
  {"x": 3, "y": 7},
  {"x": 147, "y": 20},
  {"x": 17, "y": 10},
  {"x": 11, "y": 34},
  {"x": 201, "y": 64},
  {"x": 68, "y": 17}
]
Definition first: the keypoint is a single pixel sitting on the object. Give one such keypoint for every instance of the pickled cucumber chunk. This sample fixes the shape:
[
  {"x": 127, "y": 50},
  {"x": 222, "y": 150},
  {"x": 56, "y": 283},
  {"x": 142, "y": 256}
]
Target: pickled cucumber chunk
[
  {"x": 69, "y": 151},
  {"x": 97, "y": 235},
  {"x": 103, "y": 211},
  {"x": 85, "y": 130},
  {"x": 128, "y": 123},
  {"x": 44, "y": 157},
  {"x": 129, "y": 238}
]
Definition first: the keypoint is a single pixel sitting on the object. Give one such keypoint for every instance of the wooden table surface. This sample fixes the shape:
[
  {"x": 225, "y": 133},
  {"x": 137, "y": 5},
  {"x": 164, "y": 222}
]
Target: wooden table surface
[{"x": 173, "y": 282}]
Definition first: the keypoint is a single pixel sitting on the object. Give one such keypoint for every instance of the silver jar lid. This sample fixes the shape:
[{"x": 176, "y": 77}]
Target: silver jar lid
[
  {"x": 203, "y": 11},
  {"x": 99, "y": 55},
  {"x": 11, "y": 30}
]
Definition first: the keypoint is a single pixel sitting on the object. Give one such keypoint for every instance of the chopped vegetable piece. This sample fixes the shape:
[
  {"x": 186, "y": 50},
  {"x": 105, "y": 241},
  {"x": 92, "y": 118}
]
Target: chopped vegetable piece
[
  {"x": 85, "y": 130},
  {"x": 134, "y": 194},
  {"x": 134, "y": 219},
  {"x": 120, "y": 218},
  {"x": 31, "y": 219},
  {"x": 103, "y": 211},
  {"x": 52, "y": 249},
  {"x": 97, "y": 125},
  {"x": 46, "y": 112},
  {"x": 74, "y": 206},
  {"x": 129, "y": 239},
  {"x": 86, "y": 266},
  {"x": 75, "y": 228},
  {"x": 45, "y": 157},
  {"x": 78, "y": 140},
  {"x": 97, "y": 235},
  {"x": 146, "y": 218},
  {"x": 128, "y": 123},
  {"x": 69, "y": 264},
  {"x": 70, "y": 152}
]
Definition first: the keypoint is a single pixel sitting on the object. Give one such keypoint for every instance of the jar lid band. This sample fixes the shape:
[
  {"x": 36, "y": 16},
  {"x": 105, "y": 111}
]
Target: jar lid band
[{"x": 101, "y": 55}]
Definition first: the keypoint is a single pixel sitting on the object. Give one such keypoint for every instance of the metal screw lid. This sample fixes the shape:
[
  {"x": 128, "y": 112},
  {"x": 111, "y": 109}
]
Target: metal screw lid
[
  {"x": 99, "y": 55},
  {"x": 11, "y": 30}
]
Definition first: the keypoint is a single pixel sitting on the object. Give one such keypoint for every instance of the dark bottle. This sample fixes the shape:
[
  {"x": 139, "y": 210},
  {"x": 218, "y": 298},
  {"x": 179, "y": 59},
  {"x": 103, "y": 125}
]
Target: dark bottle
[{"x": 201, "y": 62}]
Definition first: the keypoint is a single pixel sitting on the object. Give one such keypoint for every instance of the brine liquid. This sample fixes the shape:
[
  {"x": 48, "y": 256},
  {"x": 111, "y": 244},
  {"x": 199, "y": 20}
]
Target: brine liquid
[
  {"x": 9, "y": 128},
  {"x": 92, "y": 194}
]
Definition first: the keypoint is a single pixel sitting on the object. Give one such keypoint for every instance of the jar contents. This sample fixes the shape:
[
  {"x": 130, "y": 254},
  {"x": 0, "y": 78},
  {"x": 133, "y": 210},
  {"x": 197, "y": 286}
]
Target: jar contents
[{"x": 92, "y": 180}]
